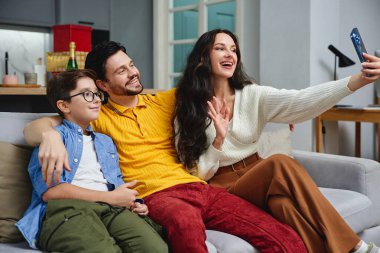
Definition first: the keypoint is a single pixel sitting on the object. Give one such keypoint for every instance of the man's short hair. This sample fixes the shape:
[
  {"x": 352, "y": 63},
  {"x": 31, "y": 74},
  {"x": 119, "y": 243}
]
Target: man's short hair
[
  {"x": 97, "y": 58},
  {"x": 59, "y": 87}
]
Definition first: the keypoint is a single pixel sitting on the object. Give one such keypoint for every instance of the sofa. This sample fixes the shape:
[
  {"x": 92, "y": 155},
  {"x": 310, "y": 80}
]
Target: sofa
[{"x": 351, "y": 184}]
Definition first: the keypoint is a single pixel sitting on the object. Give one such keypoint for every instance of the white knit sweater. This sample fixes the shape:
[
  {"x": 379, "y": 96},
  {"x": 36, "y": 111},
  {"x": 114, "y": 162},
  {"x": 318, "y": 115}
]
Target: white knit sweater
[{"x": 254, "y": 107}]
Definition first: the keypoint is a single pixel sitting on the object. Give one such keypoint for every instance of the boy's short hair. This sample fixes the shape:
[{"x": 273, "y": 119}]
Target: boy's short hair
[{"x": 59, "y": 87}]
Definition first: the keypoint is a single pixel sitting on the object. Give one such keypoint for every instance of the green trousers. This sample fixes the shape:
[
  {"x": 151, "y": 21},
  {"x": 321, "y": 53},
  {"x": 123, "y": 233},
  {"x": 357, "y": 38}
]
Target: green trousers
[{"x": 81, "y": 226}]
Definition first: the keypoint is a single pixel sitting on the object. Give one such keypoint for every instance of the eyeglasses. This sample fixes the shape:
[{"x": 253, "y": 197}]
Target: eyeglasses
[{"x": 89, "y": 96}]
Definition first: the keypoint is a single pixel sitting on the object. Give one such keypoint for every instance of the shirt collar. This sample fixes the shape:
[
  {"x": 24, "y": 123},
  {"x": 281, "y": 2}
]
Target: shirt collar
[
  {"x": 75, "y": 127},
  {"x": 123, "y": 109}
]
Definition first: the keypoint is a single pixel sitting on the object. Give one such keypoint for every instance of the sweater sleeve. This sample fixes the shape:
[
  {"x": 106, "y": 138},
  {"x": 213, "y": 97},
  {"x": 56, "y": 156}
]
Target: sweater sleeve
[
  {"x": 208, "y": 163},
  {"x": 288, "y": 106}
]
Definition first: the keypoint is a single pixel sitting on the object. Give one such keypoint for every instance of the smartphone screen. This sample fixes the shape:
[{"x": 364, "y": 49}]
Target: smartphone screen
[{"x": 358, "y": 43}]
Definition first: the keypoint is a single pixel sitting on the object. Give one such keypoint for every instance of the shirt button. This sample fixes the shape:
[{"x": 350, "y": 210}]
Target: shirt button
[
  {"x": 75, "y": 160},
  {"x": 113, "y": 156},
  {"x": 79, "y": 140},
  {"x": 79, "y": 130}
]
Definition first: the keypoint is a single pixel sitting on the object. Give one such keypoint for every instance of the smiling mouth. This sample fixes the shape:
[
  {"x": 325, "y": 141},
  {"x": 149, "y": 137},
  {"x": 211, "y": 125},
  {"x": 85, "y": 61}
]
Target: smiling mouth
[
  {"x": 134, "y": 81},
  {"x": 226, "y": 64}
]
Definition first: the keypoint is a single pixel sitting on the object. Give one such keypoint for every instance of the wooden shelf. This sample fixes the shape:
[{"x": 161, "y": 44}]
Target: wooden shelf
[
  {"x": 42, "y": 91},
  {"x": 23, "y": 91}
]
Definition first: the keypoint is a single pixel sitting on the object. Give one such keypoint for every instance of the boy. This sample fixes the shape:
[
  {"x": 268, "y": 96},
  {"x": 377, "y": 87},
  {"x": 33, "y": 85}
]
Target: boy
[{"x": 91, "y": 209}]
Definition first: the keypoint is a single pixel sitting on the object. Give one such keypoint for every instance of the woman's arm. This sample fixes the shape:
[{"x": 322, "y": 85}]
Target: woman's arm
[
  {"x": 208, "y": 163},
  {"x": 285, "y": 106},
  {"x": 52, "y": 152},
  {"x": 220, "y": 116},
  {"x": 370, "y": 72}
]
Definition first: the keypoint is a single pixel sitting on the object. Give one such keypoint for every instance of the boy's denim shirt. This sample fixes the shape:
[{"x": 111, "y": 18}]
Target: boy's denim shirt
[{"x": 72, "y": 136}]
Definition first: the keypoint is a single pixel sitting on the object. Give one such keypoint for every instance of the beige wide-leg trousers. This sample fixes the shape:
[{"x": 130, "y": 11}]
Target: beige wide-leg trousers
[{"x": 280, "y": 185}]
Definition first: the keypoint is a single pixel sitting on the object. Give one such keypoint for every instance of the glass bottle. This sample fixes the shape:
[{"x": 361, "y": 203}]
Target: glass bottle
[{"x": 72, "y": 63}]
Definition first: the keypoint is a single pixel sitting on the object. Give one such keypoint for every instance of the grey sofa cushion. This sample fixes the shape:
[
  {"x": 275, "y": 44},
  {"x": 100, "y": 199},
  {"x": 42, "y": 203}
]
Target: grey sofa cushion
[
  {"x": 353, "y": 174},
  {"x": 353, "y": 206},
  {"x": 217, "y": 242},
  {"x": 227, "y": 243},
  {"x": 348, "y": 173},
  {"x": 21, "y": 247}
]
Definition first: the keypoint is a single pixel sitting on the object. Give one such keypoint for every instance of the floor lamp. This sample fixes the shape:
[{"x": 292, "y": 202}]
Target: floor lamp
[{"x": 343, "y": 60}]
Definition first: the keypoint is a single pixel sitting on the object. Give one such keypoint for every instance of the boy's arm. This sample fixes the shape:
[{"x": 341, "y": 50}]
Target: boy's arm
[
  {"x": 52, "y": 152},
  {"x": 121, "y": 196}
]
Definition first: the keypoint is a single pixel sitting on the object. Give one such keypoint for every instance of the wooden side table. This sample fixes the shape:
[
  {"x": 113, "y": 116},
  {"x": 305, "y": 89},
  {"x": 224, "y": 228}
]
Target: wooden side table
[{"x": 356, "y": 115}]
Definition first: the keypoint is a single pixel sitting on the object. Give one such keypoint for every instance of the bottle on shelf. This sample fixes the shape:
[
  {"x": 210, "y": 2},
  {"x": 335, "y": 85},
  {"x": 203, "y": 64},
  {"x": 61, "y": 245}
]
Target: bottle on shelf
[
  {"x": 72, "y": 63},
  {"x": 40, "y": 69}
]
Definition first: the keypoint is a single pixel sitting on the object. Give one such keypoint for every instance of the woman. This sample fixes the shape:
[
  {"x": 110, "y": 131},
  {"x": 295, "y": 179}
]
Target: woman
[{"x": 215, "y": 89}]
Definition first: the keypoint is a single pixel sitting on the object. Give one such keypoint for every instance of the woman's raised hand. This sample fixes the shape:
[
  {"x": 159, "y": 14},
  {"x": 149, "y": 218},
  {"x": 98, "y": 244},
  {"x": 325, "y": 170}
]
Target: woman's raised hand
[
  {"x": 370, "y": 72},
  {"x": 371, "y": 68},
  {"x": 220, "y": 115}
]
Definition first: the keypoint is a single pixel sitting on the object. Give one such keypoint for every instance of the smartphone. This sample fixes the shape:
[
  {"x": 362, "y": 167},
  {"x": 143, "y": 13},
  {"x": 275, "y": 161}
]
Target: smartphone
[
  {"x": 358, "y": 44},
  {"x": 138, "y": 200}
]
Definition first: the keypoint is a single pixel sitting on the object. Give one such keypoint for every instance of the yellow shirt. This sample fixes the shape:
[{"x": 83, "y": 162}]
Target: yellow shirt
[{"x": 143, "y": 136}]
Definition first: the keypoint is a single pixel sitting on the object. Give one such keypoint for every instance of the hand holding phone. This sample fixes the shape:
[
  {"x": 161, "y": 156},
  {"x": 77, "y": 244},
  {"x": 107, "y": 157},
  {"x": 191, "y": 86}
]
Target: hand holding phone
[{"x": 358, "y": 44}]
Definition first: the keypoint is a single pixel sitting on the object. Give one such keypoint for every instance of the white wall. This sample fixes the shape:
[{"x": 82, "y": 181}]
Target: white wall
[
  {"x": 331, "y": 23},
  {"x": 250, "y": 37},
  {"x": 285, "y": 52},
  {"x": 132, "y": 26},
  {"x": 294, "y": 36},
  {"x": 363, "y": 14},
  {"x": 324, "y": 30}
]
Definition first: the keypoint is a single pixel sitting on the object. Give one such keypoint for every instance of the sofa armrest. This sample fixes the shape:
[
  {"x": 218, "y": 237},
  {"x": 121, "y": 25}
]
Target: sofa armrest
[
  {"x": 343, "y": 172},
  {"x": 340, "y": 172}
]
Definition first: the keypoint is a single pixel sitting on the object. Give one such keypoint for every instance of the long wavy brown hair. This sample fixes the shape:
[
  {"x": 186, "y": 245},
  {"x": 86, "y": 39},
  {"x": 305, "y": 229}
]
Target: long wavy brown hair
[{"x": 193, "y": 91}]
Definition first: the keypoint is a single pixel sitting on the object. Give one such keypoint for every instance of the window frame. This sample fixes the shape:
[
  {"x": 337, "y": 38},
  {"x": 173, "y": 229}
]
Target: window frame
[{"x": 163, "y": 35}]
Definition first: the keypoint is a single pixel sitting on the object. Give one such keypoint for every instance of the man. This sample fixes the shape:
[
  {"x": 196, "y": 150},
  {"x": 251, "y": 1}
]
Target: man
[{"x": 141, "y": 127}]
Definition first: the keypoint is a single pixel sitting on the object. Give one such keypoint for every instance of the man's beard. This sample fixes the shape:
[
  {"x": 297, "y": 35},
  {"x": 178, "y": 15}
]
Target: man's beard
[
  {"x": 119, "y": 91},
  {"x": 130, "y": 92}
]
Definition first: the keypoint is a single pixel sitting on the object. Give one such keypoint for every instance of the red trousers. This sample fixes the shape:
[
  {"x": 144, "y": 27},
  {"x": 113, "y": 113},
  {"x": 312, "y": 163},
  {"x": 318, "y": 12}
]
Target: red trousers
[
  {"x": 280, "y": 185},
  {"x": 186, "y": 210}
]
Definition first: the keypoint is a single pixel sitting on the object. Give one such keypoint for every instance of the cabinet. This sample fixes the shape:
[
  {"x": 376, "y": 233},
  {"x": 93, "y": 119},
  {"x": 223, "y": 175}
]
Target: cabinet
[
  {"x": 95, "y": 13},
  {"x": 39, "y": 13}
]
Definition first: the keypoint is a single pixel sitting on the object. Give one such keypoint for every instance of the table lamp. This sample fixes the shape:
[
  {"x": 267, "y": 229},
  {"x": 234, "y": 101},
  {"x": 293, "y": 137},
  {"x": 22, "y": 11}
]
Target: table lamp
[{"x": 344, "y": 61}]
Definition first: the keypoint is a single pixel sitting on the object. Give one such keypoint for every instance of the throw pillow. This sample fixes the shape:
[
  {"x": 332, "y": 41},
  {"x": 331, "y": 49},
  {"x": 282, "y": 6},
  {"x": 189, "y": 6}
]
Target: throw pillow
[
  {"x": 274, "y": 142},
  {"x": 15, "y": 189}
]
